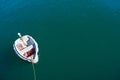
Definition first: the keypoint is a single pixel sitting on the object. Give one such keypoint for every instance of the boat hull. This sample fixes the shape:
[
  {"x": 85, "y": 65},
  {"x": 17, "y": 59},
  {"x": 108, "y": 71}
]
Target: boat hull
[{"x": 32, "y": 58}]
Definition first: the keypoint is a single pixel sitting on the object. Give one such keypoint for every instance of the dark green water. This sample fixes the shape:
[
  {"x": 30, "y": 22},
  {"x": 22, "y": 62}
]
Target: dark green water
[{"x": 78, "y": 39}]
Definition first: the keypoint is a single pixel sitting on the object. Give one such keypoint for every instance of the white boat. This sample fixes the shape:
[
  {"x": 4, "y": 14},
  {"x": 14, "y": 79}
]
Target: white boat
[{"x": 26, "y": 48}]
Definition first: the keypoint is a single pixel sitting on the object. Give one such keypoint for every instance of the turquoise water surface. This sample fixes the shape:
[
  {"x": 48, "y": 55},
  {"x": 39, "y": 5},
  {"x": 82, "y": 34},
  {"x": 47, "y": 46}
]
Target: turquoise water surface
[{"x": 78, "y": 39}]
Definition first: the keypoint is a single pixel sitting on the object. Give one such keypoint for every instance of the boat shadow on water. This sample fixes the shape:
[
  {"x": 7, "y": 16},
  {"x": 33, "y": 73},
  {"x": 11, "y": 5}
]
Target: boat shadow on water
[{"x": 9, "y": 61}]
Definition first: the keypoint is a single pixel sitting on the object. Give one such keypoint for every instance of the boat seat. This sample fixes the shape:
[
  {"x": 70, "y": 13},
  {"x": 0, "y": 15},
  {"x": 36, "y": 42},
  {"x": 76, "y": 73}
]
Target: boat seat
[{"x": 26, "y": 49}]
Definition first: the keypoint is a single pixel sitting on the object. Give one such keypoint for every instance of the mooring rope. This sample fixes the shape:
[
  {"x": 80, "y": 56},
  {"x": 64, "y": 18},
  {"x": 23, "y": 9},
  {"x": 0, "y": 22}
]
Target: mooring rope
[{"x": 34, "y": 72}]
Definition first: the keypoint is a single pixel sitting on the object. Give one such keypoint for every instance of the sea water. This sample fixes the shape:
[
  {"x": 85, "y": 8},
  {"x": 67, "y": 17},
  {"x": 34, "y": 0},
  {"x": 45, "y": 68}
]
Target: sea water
[{"x": 78, "y": 39}]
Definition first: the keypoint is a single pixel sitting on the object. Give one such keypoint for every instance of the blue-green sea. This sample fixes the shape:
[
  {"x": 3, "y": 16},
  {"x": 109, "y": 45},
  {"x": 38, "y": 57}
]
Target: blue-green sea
[{"x": 77, "y": 39}]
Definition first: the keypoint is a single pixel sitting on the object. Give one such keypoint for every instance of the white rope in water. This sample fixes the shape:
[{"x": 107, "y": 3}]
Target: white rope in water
[{"x": 34, "y": 73}]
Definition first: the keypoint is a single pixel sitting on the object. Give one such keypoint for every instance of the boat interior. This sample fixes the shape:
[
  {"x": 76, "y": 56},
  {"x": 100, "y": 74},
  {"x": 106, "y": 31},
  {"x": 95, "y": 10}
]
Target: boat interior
[{"x": 25, "y": 46}]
